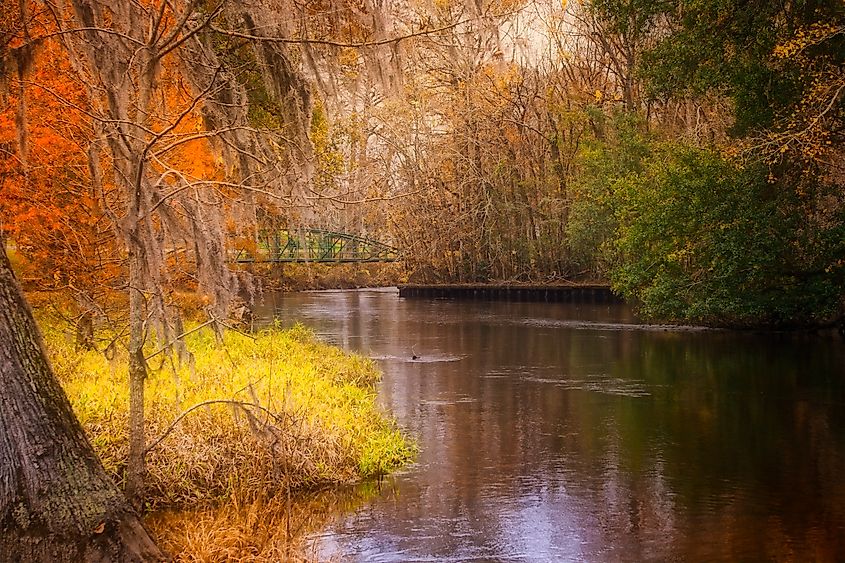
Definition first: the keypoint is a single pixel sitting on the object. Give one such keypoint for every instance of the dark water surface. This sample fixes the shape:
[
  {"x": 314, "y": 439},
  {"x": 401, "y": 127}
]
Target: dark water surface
[{"x": 560, "y": 432}]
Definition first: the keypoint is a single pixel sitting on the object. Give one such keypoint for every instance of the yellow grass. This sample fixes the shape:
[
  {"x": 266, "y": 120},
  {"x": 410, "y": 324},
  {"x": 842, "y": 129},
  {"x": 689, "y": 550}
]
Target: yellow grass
[{"x": 302, "y": 414}]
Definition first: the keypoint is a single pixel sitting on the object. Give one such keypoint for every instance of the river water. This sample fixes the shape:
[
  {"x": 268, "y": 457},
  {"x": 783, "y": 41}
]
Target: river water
[{"x": 568, "y": 432}]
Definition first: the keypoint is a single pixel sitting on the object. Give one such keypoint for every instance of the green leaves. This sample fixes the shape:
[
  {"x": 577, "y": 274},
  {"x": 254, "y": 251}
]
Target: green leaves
[
  {"x": 688, "y": 232},
  {"x": 703, "y": 239},
  {"x": 737, "y": 48}
]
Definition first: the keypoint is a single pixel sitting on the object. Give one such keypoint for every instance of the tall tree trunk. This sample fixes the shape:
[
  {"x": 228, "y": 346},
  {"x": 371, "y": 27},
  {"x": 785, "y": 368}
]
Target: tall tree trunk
[
  {"x": 56, "y": 501},
  {"x": 136, "y": 466}
]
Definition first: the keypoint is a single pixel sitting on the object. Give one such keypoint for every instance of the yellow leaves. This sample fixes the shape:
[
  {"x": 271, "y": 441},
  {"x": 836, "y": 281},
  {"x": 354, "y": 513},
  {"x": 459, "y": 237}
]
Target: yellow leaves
[
  {"x": 505, "y": 6},
  {"x": 680, "y": 256},
  {"x": 730, "y": 152},
  {"x": 505, "y": 77},
  {"x": 805, "y": 129},
  {"x": 806, "y": 37},
  {"x": 499, "y": 73},
  {"x": 836, "y": 265}
]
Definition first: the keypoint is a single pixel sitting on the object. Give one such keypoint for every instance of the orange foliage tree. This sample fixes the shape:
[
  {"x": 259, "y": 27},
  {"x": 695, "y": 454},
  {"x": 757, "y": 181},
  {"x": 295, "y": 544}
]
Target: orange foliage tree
[{"x": 48, "y": 206}]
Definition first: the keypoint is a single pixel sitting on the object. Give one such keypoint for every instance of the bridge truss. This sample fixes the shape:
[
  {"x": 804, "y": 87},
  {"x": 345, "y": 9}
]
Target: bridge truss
[{"x": 315, "y": 245}]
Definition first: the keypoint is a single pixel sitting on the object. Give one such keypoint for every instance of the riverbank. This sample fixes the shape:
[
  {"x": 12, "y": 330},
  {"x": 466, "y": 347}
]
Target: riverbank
[
  {"x": 303, "y": 277},
  {"x": 280, "y": 413}
]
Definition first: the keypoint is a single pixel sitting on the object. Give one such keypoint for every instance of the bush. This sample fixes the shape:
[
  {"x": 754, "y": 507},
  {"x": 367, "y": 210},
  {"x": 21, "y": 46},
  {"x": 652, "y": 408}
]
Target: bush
[
  {"x": 593, "y": 223},
  {"x": 703, "y": 239}
]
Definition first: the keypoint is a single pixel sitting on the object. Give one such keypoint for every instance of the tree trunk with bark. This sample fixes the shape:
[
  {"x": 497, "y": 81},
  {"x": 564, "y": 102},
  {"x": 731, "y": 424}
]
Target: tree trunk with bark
[
  {"x": 136, "y": 467},
  {"x": 56, "y": 501}
]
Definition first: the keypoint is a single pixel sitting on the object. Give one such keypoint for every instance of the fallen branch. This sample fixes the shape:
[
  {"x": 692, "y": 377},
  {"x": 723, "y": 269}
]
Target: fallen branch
[{"x": 172, "y": 426}]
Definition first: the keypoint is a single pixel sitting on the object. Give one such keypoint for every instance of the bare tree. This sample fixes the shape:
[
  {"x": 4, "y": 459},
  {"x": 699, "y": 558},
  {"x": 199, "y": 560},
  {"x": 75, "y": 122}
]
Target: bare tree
[{"x": 159, "y": 81}]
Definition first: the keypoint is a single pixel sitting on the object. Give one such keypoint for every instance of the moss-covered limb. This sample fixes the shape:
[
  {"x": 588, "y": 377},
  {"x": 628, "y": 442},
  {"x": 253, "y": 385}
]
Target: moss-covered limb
[{"x": 292, "y": 413}]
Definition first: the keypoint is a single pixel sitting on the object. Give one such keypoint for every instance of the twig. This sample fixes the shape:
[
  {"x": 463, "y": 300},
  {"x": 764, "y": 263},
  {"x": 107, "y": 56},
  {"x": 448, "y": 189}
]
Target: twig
[
  {"x": 342, "y": 44},
  {"x": 177, "y": 338}
]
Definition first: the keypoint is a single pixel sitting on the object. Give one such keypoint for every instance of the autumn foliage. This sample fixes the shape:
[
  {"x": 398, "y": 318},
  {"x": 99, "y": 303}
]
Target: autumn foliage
[
  {"x": 49, "y": 208},
  {"x": 58, "y": 202}
]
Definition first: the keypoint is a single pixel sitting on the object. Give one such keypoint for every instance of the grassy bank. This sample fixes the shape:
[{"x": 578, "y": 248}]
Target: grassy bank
[{"x": 281, "y": 411}]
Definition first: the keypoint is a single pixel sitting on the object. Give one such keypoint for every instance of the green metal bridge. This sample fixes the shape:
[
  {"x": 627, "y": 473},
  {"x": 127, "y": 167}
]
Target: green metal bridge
[{"x": 315, "y": 245}]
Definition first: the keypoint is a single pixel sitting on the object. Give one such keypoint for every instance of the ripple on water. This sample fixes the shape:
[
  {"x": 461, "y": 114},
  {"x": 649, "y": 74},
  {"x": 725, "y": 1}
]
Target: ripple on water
[
  {"x": 594, "y": 325},
  {"x": 421, "y": 359},
  {"x": 445, "y": 402},
  {"x": 505, "y": 373},
  {"x": 597, "y": 384}
]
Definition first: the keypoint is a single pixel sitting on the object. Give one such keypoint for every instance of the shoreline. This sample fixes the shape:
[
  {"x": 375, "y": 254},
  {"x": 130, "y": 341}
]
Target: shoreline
[
  {"x": 588, "y": 293},
  {"x": 574, "y": 292}
]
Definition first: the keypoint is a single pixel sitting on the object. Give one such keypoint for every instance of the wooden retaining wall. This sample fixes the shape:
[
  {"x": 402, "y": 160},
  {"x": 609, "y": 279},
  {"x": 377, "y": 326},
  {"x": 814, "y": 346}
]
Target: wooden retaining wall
[{"x": 556, "y": 293}]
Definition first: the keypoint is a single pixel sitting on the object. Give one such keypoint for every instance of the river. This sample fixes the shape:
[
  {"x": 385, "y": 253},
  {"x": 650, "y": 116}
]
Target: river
[{"x": 568, "y": 432}]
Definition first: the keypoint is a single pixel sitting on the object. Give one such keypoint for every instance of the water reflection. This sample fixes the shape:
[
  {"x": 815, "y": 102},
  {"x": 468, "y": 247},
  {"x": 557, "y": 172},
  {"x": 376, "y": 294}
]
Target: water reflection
[
  {"x": 562, "y": 432},
  {"x": 265, "y": 529}
]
